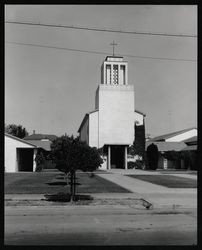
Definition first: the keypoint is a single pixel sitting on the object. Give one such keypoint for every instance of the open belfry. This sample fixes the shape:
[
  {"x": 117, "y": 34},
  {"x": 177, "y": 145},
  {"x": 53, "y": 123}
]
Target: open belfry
[{"x": 111, "y": 125}]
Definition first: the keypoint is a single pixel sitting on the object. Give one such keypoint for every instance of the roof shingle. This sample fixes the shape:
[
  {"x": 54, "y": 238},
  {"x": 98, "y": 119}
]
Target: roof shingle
[{"x": 40, "y": 137}]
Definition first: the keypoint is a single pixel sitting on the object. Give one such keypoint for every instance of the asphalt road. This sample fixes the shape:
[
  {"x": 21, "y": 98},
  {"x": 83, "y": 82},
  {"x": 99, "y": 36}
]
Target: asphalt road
[{"x": 98, "y": 225}]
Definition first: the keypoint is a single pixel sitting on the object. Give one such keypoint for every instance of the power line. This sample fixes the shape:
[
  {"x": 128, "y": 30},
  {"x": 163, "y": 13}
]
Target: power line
[
  {"x": 101, "y": 29},
  {"x": 100, "y": 53}
]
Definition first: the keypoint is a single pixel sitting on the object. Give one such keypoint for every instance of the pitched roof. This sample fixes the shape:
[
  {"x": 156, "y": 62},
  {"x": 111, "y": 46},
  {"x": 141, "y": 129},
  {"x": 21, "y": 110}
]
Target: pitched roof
[
  {"x": 40, "y": 137},
  {"x": 85, "y": 118},
  {"x": 42, "y": 144},
  {"x": 190, "y": 148},
  {"x": 166, "y": 136},
  {"x": 191, "y": 140},
  {"x": 167, "y": 146},
  {"x": 21, "y": 140},
  {"x": 139, "y": 112}
]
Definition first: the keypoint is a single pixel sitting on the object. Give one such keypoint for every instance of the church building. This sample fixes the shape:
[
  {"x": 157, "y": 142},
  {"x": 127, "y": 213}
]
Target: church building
[{"x": 111, "y": 126}]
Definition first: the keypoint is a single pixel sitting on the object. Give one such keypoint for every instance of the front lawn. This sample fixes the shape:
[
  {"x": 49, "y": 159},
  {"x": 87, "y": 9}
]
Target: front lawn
[
  {"x": 167, "y": 180},
  {"x": 53, "y": 182}
]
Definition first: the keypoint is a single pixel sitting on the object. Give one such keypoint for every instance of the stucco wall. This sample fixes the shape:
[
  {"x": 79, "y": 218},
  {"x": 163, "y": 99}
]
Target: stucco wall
[
  {"x": 183, "y": 136},
  {"x": 116, "y": 114},
  {"x": 139, "y": 118},
  {"x": 10, "y": 153},
  {"x": 93, "y": 129}
]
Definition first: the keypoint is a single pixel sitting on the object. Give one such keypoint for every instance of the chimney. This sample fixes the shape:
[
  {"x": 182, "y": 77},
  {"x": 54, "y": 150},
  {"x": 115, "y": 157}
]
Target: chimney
[{"x": 33, "y": 132}]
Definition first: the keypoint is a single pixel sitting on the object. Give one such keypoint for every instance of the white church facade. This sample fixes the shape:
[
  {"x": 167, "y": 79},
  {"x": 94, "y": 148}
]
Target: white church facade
[{"x": 111, "y": 125}]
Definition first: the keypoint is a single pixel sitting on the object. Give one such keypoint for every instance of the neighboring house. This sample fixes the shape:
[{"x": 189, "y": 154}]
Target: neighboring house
[
  {"x": 191, "y": 144},
  {"x": 111, "y": 125},
  {"x": 180, "y": 141},
  {"x": 191, "y": 147},
  {"x": 178, "y": 136},
  {"x": 43, "y": 142},
  {"x": 19, "y": 154}
]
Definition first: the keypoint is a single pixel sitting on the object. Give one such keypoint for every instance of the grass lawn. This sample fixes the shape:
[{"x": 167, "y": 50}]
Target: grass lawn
[
  {"x": 167, "y": 180},
  {"x": 53, "y": 182},
  {"x": 192, "y": 172}
]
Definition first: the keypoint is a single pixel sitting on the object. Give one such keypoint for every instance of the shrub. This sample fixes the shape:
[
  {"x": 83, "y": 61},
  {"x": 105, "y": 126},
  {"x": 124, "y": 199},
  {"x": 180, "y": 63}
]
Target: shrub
[
  {"x": 131, "y": 165},
  {"x": 152, "y": 156},
  {"x": 40, "y": 160},
  {"x": 138, "y": 164}
]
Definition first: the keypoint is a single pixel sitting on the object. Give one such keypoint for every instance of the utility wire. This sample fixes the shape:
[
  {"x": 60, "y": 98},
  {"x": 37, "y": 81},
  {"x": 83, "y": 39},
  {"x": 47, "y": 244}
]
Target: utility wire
[
  {"x": 101, "y": 53},
  {"x": 101, "y": 29}
]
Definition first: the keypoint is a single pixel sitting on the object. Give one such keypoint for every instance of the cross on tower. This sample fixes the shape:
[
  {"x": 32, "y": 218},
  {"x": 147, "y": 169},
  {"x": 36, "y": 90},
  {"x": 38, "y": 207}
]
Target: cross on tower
[{"x": 113, "y": 44}]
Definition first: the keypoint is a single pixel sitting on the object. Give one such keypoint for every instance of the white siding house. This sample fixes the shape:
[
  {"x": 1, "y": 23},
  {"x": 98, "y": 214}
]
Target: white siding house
[{"x": 19, "y": 155}]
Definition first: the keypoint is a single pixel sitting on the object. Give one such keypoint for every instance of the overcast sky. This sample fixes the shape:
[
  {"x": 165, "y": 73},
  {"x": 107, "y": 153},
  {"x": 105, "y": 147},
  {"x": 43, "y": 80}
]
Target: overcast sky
[{"x": 50, "y": 90}]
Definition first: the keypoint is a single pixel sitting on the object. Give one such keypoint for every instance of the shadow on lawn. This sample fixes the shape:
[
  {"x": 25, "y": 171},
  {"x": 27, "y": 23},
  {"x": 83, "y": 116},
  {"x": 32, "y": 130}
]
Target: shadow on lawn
[
  {"x": 65, "y": 197},
  {"x": 57, "y": 183},
  {"x": 60, "y": 178}
]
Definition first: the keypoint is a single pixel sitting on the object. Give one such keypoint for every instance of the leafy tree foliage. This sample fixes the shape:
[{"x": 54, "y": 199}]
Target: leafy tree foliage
[
  {"x": 172, "y": 155},
  {"x": 139, "y": 143},
  {"x": 40, "y": 160},
  {"x": 138, "y": 147},
  {"x": 16, "y": 130},
  {"x": 69, "y": 154},
  {"x": 152, "y": 156}
]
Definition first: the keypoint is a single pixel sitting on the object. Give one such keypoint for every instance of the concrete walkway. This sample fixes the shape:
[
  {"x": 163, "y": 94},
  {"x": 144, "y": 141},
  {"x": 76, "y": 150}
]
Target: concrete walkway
[{"x": 156, "y": 194}]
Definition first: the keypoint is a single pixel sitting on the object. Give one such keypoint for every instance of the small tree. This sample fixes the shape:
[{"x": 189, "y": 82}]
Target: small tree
[
  {"x": 40, "y": 160},
  {"x": 152, "y": 156},
  {"x": 138, "y": 147},
  {"x": 69, "y": 154},
  {"x": 16, "y": 130},
  {"x": 139, "y": 143}
]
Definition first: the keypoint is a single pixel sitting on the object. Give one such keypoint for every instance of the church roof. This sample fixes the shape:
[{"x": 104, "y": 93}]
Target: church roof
[
  {"x": 85, "y": 118},
  {"x": 114, "y": 58},
  {"x": 139, "y": 112}
]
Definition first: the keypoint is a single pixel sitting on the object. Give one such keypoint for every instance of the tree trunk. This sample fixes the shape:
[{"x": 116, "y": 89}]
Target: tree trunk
[
  {"x": 71, "y": 185},
  {"x": 74, "y": 184}
]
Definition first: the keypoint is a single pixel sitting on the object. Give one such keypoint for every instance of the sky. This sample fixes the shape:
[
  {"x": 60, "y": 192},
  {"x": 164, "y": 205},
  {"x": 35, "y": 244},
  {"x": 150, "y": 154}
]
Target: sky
[{"x": 50, "y": 90}]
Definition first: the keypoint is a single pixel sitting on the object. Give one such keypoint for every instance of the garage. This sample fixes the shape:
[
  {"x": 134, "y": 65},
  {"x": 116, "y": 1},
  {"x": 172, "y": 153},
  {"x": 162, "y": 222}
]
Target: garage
[
  {"x": 19, "y": 155},
  {"x": 25, "y": 159}
]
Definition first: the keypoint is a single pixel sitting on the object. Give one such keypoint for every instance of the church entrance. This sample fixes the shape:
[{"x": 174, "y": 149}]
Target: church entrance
[{"x": 118, "y": 156}]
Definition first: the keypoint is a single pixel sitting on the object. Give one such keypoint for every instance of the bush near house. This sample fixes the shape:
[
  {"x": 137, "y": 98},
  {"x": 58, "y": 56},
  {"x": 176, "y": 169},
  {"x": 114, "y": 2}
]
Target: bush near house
[
  {"x": 189, "y": 158},
  {"x": 138, "y": 164},
  {"x": 152, "y": 156},
  {"x": 138, "y": 147},
  {"x": 40, "y": 160}
]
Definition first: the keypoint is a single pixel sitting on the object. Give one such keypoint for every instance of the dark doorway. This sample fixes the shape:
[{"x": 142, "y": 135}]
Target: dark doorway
[
  {"x": 25, "y": 159},
  {"x": 117, "y": 156}
]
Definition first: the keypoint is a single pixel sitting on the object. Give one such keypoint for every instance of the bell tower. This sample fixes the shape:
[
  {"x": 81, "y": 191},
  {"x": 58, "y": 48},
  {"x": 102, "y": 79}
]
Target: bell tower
[{"x": 114, "y": 71}]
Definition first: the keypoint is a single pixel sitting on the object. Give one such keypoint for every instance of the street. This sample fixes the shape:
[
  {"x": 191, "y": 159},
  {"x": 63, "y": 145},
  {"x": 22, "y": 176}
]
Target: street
[{"x": 99, "y": 225}]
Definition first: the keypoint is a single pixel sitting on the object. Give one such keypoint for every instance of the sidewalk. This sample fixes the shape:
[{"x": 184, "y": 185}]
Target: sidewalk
[{"x": 159, "y": 196}]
